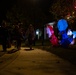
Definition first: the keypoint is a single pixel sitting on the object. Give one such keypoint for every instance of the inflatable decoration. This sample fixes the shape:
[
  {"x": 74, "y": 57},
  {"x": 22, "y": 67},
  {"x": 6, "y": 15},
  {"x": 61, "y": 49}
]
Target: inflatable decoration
[
  {"x": 74, "y": 34},
  {"x": 74, "y": 37},
  {"x": 70, "y": 36},
  {"x": 62, "y": 25},
  {"x": 65, "y": 41},
  {"x": 51, "y": 35},
  {"x": 69, "y": 33}
]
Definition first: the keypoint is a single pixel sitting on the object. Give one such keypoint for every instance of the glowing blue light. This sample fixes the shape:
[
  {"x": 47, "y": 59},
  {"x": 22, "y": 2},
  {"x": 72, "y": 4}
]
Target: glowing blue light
[
  {"x": 66, "y": 40},
  {"x": 62, "y": 25}
]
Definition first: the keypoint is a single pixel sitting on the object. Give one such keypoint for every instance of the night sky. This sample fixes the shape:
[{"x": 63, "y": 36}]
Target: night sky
[
  {"x": 6, "y": 5},
  {"x": 42, "y": 4}
]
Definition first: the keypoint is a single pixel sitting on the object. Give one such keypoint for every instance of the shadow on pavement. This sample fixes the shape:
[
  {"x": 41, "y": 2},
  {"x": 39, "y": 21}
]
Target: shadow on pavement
[
  {"x": 28, "y": 49},
  {"x": 2, "y": 53},
  {"x": 12, "y": 51}
]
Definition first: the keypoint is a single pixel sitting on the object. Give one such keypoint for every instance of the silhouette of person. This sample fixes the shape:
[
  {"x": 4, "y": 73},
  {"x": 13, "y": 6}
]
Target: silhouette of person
[
  {"x": 31, "y": 35},
  {"x": 4, "y": 36},
  {"x": 17, "y": 36}
]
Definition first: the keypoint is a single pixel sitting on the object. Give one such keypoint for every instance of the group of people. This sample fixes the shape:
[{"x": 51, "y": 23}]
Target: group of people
[{"x": 7, "y": 37}]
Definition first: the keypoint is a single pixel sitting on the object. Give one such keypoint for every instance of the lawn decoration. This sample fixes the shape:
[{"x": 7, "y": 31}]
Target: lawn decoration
[
  {"x": 74, "y": 34},
  {"x": 62, "y": 26},
  {"x": 74, "y": 37},
  {"x": 51, "y": 35},
  {"x": 71, "y": 36}
]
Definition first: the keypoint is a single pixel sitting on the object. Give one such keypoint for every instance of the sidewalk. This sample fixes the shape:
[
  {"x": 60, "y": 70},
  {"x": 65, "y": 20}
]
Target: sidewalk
[
  {"x": 8, "y": 49},
  {"x": 35, "y": 62}
]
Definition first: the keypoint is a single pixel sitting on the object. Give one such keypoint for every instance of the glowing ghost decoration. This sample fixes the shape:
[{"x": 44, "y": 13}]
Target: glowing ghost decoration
[
  {"x": 74, "y": 34},
  {"x": 62, "y": 25},
  {"x": 69, "y": 32},
  {"x": 52, "y": 37}
]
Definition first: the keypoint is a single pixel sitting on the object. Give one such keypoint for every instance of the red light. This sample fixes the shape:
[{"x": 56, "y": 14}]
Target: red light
[{"x": 75, "y": 7}]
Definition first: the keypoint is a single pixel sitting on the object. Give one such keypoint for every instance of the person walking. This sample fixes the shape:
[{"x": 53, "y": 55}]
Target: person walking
[
  {"x": 17, "y": 36},
  {"x": 4, "y": 35},
  {"x": 31, "y": 35}
]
